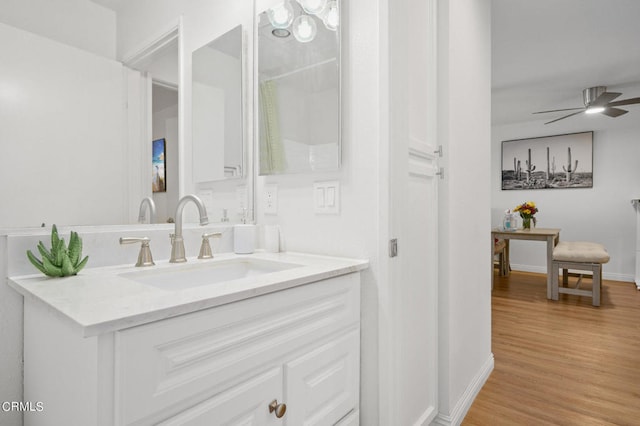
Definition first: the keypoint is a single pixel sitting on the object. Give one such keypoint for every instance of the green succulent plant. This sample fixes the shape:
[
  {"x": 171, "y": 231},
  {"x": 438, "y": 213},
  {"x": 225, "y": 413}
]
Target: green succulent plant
[{"x": 60, "y": 261}]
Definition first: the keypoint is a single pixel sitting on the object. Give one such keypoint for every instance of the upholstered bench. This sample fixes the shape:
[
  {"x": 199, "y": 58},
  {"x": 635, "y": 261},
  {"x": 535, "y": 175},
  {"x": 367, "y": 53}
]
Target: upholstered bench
[{"x": 580, "y": 256}]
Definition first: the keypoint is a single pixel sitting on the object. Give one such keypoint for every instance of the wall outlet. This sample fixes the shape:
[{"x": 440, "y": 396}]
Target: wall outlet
[
  {"x": 271, "y": 199},
  {"x": 326, "y": 196}
]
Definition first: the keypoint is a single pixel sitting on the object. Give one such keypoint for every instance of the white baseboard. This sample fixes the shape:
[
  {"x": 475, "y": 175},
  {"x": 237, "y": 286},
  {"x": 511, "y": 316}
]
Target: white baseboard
[
  {"x": 543, "y": 270},
  {"x": 465, "y": 401},
  {"x": 426, "y": 417}
]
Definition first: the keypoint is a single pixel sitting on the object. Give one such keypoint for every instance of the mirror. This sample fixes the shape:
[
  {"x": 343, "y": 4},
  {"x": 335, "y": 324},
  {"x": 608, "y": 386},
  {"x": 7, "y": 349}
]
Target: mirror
[
  {"x": 76, "y": 113},
  {"x": 217, "y": 117},
  {"x": 299, "y": 87}
]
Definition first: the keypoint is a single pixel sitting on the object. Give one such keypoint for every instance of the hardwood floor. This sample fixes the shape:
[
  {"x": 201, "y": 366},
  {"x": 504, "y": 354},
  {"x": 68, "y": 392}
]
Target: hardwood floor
[{"x": 561, "y": 363}]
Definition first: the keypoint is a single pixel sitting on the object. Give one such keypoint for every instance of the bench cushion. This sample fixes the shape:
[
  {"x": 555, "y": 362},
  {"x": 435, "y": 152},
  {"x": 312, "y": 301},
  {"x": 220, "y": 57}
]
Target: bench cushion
[{"x": 580, "y": 251}]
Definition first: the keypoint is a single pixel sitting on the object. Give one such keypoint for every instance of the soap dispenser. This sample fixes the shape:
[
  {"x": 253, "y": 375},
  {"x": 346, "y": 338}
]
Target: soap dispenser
[
  {"x": 509, "y": 221},
  {"x": 244, "y": 236}
]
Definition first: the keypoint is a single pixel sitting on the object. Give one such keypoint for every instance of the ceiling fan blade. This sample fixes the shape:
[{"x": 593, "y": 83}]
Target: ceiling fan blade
[
  {"x": 604, "y": 99},
  {"x": 557, "y": 110},
  {"x": 562, "y": 118},
  {"x": 630, "y": 101},
  {"x": 614, "y": 112}
]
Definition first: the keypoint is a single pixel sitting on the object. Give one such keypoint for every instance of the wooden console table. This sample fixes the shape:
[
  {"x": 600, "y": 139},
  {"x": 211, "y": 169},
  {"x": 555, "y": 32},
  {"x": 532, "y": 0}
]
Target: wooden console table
[{"x": 550, "y": 235}]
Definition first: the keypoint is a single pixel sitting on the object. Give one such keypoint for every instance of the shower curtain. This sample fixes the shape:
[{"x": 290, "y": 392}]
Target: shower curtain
[{"x": 272, "y": 155}]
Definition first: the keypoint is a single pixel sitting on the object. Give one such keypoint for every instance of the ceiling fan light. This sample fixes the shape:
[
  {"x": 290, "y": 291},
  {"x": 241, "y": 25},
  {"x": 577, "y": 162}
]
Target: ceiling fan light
[
  {"x": 281, "y": 15},
  {"x": 304, "y": 28},
  {"x": 594, "y": 110}
]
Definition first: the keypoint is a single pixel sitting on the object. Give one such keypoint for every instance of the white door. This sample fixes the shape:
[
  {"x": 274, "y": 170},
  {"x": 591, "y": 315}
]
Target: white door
[{"x": 413, "y": 296}]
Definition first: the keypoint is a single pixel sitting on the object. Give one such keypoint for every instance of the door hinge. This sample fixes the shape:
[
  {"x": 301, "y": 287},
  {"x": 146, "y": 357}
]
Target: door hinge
[
  {"x": 438, "y": 151},
  {"x": 393, "y": 247},
  {"x": 440, "y": 172}
]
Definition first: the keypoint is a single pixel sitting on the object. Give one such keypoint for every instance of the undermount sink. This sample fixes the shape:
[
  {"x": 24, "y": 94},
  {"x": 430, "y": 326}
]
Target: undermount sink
[{"x": 179, "y": 277}]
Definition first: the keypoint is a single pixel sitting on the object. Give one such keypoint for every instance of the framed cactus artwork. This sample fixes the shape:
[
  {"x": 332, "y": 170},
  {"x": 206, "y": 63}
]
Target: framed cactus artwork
[
  {"x": 158, "y": 164},
  {"x": 548, "y": 162}
]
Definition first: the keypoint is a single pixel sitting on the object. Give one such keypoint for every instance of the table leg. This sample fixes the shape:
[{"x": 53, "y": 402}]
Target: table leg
[
  {"x": 507, "y": 260},
  {"x": 492, "y": 257},
  {"x": 550, "y": 244}
]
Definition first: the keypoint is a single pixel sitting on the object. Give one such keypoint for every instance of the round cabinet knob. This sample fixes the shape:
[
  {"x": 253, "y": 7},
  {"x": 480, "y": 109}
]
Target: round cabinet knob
[{"x": 280, "y": 409}]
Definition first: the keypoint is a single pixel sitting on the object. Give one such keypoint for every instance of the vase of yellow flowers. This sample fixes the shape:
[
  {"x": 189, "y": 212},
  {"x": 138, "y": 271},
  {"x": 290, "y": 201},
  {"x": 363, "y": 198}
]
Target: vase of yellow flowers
[{"x": 527, "y": 211}]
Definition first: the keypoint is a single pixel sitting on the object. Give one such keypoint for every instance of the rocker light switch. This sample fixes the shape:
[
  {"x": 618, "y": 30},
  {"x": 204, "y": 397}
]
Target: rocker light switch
[
  {"x": 327, "y": 197},
  {"x": 320, "y": 198}
]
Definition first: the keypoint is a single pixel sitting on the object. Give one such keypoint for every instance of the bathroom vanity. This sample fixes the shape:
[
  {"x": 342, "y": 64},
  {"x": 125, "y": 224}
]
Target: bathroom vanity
[{"x": 266, "y": 335}]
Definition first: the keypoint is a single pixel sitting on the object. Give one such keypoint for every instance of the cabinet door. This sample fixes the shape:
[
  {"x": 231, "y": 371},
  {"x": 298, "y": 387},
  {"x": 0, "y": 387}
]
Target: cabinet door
[
  {"x": 322, "y": 386},
  {"x": 246, "y": 404},
  {"x": 166, "y": 366}
]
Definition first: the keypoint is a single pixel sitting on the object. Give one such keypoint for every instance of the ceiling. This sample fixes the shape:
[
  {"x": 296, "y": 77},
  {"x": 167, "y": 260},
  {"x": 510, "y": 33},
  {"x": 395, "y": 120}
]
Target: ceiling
[
  {"x": 110, "y": 4},
  {"x": 544, "y": 52}
]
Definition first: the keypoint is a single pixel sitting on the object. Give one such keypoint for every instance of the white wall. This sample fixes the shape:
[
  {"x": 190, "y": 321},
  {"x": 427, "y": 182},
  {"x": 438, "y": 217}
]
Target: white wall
[
  {"x": 600, "y": 214},
  {"x": 464, "y": 66},
  {"x": 62, "y": 134},
  {"x": 79, "y": 23}
]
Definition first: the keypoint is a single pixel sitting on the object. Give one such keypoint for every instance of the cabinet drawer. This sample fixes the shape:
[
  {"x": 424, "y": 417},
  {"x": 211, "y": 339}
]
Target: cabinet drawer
[
  {"x": 246, "y": 404},
  {"x": 323, "y": 385},
  {"x": 165, "y": 367}
]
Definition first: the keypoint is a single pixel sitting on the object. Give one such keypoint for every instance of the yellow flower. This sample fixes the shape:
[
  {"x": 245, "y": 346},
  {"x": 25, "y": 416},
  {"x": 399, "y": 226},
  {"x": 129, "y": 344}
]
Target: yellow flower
[{"x": 526, "y": 211}]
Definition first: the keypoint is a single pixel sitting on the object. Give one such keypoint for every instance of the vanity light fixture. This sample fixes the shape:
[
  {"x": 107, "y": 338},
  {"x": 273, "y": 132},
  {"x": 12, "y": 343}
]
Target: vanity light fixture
[
  {"x": 314, "y": 7},
  {"x": 281, "y": 15},
  {"x": 304, "y": 28},
  {"x": 331, "y": 16}
]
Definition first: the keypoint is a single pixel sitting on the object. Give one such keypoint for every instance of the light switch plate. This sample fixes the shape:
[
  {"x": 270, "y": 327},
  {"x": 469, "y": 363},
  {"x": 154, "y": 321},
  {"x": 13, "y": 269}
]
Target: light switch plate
[
  {"x": 271, "y": 199},
  {"x": 326, "y": 197}
]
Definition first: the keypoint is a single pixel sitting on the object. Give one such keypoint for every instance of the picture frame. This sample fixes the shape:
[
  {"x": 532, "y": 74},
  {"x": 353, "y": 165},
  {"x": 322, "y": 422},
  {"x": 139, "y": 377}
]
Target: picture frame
[
  {"x": 159, "y": 165},
  {"x": 548, "y": 162}
]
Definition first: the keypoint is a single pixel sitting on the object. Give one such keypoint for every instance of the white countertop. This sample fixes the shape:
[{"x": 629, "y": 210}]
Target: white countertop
[{"x": 101, "y": 300}]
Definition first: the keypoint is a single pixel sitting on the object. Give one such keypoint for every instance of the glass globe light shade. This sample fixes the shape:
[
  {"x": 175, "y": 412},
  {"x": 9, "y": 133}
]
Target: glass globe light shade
[
  {"x": 313, "y": 6},
  {"x": 331, "y": 16},
  {"x": 281, "y": 15},
  {"x": 304, "y": 28}
]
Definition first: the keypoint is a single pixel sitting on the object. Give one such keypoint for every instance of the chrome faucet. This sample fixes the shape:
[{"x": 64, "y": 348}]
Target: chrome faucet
[
  {"x": 148, "y": 201},
  {"x": 177, "y": 242}
]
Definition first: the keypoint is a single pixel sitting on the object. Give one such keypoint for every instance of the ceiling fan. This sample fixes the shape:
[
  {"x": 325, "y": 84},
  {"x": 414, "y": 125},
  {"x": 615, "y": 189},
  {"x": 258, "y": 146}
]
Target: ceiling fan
[{"x": 596, "y": 100}]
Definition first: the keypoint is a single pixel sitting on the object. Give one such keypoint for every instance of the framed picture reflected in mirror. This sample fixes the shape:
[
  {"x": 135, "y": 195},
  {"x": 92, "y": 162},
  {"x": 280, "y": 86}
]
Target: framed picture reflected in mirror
[{"x": 158, "y": 165}]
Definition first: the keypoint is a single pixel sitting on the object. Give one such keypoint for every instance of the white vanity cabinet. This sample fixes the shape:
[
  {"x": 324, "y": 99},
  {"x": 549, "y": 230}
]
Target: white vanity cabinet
[{"x": 222, "y": 365}]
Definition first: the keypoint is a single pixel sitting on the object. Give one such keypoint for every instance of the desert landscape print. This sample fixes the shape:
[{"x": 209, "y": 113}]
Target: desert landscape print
[{"x": 548, "y": 162}]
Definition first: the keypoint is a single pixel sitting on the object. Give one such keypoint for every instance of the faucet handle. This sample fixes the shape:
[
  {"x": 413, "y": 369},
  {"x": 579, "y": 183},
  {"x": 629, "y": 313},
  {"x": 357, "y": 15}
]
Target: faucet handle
[
  {"x": 205, "y": 248},
  {"x": 144, "y": 257}
]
